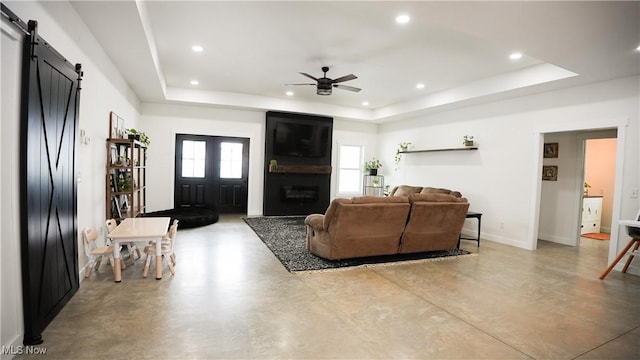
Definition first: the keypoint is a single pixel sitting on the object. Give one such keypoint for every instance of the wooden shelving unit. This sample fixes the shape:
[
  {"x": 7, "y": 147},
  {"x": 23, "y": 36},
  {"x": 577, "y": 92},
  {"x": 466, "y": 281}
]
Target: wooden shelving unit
[
  {"x": 125, "y": 183},
  {"x": 466, "y": 148}
]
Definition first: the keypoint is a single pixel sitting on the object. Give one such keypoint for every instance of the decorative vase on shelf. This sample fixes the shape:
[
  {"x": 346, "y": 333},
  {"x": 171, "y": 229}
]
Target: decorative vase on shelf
[{"x": 373, "y": 172}]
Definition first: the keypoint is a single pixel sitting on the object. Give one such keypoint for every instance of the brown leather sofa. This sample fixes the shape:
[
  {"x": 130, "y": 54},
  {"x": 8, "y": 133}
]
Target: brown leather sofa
[{"x": 370, "y": 226}]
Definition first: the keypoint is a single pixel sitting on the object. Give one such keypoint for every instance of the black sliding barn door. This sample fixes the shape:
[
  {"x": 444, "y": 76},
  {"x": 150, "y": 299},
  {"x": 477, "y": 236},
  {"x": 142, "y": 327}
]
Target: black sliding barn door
[{"x": 50, "y": 99}]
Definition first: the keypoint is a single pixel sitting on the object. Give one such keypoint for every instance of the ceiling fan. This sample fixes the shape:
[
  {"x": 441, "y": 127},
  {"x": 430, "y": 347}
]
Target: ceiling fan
[{"x": 324, "y": 85}]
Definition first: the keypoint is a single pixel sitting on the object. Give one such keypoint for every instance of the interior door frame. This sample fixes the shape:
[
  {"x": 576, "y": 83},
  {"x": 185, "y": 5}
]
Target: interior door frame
[{"x": 620, "y": 124}]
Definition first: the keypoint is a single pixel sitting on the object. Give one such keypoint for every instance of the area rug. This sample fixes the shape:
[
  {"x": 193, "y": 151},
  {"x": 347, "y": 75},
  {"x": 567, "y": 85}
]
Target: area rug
[
  {"x": 597, "y": 236},
  {"x": 285, "y": 236}
]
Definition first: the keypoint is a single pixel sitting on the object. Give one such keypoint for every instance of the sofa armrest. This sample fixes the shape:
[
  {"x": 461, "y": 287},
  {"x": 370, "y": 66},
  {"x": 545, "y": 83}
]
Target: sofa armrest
[{"x": 316, "y": 221}]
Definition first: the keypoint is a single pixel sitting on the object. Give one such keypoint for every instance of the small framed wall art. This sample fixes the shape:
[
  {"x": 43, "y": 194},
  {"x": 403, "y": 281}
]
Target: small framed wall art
[
  {"x": 116, "y": 126},
  {"x": 550, "y": 173},
  {"x": 551, "y": 150}
]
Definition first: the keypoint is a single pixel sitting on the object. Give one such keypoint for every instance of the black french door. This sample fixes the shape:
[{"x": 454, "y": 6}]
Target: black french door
[
  {"x": 211, "y": 172},
  {"x": 49, "y": 246}
]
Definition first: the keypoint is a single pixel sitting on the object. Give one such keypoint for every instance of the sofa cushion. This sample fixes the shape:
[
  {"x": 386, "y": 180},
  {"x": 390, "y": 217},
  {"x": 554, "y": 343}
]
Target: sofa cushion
[
  {"x": 379, "y": 199},
  {"x": 405, "y": 190},
  {"x": 435, "y": 197},
  {"x": 430, "y": 190}
]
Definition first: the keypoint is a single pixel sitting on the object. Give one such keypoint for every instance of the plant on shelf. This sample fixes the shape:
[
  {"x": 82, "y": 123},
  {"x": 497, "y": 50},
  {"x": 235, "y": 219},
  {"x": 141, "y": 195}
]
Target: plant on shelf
[
  {"x": 273, "y": 165},
  {"x": 402, "y": 147},
  {"x": 139, "y": 135},
  {"x": 372, "y": 166},
  {"x": 467, "y": 140},
  {"x": 124, "y": 183},
  {"x": 586, "y": 188}
]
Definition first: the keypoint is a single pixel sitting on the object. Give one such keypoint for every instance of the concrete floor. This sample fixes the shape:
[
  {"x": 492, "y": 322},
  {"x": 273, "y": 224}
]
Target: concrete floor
[{"x": 231, "y": 298}]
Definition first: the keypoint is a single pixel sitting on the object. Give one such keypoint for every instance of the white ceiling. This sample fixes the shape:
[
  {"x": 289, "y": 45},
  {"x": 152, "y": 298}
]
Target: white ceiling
[{"x": 458, "y": 50}]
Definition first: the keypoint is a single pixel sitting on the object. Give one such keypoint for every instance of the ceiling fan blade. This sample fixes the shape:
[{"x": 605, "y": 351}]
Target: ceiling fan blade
[
  {"x": 309, "y": 76},
  {"x": 299, "y": 84},
  {"x": 344, "y": 78},
  {"x": 347, "y": 87}
]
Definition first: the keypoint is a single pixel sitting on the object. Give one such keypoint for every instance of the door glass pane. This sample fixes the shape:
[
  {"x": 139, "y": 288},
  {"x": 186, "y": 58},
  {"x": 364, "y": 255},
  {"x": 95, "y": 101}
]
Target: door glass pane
[
  {"x": 193, "y": 158},
  {"x": 230, "y": 160}
]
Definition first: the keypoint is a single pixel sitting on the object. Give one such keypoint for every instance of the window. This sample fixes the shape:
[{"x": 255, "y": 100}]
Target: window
[
  {"x": 230, "y": 160},
  {"x": 193, "y": 158},
  {"x": 350, "y": 169}
]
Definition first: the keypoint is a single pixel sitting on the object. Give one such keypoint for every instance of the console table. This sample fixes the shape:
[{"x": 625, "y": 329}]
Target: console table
[{"x": 470, "y": 215}]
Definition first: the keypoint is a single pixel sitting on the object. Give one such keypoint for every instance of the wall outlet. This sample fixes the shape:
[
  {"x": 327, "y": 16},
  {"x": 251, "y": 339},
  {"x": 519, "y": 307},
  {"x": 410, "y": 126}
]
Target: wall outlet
[{"x": 634, "y": 193}]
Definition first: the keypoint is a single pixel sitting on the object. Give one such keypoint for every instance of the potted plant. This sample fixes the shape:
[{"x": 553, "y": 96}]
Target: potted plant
[
  {"x": 467, "y": 140},
  {"x": 586, "y": 188},
  {"x": 273, "y": 164},
  {"x": 139, "y": 135},
  {"x": 372, "y": 166},
  {"x": 402, "y": 147}
]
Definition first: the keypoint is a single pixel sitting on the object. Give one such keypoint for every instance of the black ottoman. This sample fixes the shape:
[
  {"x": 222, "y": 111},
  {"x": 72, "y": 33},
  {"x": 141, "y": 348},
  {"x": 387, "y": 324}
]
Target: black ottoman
[{"x": 188, "y": 217}]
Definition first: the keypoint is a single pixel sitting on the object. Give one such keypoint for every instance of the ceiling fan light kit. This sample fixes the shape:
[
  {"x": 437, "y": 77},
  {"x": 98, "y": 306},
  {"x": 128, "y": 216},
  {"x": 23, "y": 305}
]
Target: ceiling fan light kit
[{"x": 324, "y": 85}]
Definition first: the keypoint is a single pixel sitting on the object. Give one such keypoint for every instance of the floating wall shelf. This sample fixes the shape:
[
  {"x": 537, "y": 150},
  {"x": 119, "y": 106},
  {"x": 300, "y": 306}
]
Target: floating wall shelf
[{"x": 466, "y": 148}]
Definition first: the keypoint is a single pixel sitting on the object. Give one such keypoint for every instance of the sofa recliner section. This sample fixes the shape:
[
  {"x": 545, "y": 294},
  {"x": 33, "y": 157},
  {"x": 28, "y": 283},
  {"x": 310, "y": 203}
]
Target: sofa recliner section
[
  {"x": 435, "y": 222},
  {"x": 358, "y": 227}
]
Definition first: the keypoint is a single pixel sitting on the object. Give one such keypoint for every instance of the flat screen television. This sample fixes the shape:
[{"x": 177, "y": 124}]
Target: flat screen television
[{"x": 301, "y": 139}]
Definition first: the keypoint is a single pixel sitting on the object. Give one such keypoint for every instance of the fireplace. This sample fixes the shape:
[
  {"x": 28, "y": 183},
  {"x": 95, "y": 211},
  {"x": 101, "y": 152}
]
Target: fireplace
[
  {"x": 299, "y": 193},
  {"x": 297, "y": 178}
]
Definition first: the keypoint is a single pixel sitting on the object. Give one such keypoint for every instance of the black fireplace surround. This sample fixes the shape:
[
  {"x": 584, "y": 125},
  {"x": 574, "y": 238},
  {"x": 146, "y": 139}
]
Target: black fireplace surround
[{"x": 300, "y": 182}]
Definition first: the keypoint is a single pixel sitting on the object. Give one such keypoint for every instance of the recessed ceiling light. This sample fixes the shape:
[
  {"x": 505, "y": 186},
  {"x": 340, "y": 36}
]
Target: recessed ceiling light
[
  {"x": 365, "y": 103},
  {"x": 195, "y": 82},
  {"x": 197, "y": 48},
  {"x": 402, "y": 19},
  {"x": 289, "y": 93},
  {"x": 419, "y": 86},
  {"x": 515, "y": 56},
  {"x": 638, "y": 48}
]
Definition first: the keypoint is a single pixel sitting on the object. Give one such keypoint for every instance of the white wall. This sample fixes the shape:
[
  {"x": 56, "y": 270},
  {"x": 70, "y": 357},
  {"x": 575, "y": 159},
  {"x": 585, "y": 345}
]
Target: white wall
[
  {"x": 103, "y": 90},
  {"x": 498, "y": 179},
  {"x": 10, "y": 282}
]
